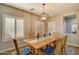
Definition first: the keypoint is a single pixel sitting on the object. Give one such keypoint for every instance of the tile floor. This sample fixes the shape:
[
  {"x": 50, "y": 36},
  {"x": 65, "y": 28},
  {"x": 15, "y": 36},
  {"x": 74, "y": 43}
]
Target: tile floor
[{"x": 70, "y": 50}]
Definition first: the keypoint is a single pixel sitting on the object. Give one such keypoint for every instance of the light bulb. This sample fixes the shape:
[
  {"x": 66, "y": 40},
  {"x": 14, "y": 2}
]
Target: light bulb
[{"x": 43, "y": 18}]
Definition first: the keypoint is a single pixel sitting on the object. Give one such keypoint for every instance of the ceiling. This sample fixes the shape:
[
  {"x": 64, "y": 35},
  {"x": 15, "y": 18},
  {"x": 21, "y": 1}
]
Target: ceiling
[{"x": 50, "y": 8}]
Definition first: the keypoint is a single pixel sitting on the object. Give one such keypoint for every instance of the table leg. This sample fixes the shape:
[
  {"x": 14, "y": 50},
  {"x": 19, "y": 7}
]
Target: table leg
[{"x": 36, "y": 51}]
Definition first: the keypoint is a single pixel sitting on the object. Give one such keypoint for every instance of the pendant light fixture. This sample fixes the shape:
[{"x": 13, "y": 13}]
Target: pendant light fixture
[{"x": 44, "y": 15}]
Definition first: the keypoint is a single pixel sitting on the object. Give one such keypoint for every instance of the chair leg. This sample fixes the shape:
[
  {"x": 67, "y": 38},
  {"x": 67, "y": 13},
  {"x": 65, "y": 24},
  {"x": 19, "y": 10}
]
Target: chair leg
[
  {"x": 62, "y": 52},
  {"x": 65, "y": 51}
]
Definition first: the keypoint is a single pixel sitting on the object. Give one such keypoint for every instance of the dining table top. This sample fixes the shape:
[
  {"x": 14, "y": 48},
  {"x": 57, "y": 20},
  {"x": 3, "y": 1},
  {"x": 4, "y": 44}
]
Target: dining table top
[{"x": 38, "y": 43}]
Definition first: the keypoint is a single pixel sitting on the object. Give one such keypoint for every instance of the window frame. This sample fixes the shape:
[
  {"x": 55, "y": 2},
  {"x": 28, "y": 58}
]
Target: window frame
[
  {"x": 3, "y": 26},
  {"x": 37, "y": 23},
  {"x": 20, "y": 18},
  {"x": 53, "y": 27},
  {"x": 64, "y": 24}
]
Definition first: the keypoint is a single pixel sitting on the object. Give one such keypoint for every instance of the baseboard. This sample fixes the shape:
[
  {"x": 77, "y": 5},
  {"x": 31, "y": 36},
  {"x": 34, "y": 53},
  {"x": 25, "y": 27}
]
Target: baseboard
[
  {"x": 11, "y": 49},
  {"x": 74, "y": 45}
]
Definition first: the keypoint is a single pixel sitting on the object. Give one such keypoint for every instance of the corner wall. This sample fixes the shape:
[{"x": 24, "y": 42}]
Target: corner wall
[{"x": 73, "y": 39}]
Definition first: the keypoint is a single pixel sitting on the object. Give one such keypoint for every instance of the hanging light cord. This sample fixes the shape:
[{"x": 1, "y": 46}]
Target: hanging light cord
[
  {"x": 44, "y": 16},
  {"x": 43, "y": 7}
]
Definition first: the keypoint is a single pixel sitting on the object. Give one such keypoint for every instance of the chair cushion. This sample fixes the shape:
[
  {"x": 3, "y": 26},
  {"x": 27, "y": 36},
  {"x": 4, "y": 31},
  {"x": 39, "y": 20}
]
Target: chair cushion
[
  {"x": 49, "y": 50},
  {"x": 25, "y": 51}
]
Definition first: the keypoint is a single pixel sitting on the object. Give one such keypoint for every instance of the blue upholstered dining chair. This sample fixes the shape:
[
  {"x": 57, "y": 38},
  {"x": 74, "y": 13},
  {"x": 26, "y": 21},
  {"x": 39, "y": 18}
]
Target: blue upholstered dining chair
[
  {"x": 25, "y": 51},
  {"x": 49, "y": 50},
  {"x": 55, "y": 51}
]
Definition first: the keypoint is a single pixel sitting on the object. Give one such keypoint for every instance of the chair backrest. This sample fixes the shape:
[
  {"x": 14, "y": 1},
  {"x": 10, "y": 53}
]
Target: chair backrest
[
  {"x": 31, "y": 35},
  {"x": 56, "y": 35},
  {"x": 64, "y": 40},
  {"x": 58, "y": 48},
  {"x": 16, "y": 46},
  {"x": 60, "y": 45}
]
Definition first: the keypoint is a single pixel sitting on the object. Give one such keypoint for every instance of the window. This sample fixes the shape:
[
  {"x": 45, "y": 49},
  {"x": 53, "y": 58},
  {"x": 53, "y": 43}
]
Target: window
[
  {"x": 12, "y": 27},
  {"x": 19, "y": 28},
  {"x": 51, "y": 27},
  {"x": 70, "y": 24},
  {"x": 8, "y": 27},
  {"x": 39, "y": 27},
  {"x": 74, "y": 27}
]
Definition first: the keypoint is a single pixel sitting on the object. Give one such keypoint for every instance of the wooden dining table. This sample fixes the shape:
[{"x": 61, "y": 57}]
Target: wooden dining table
[{"x": 36, "y": 44}]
